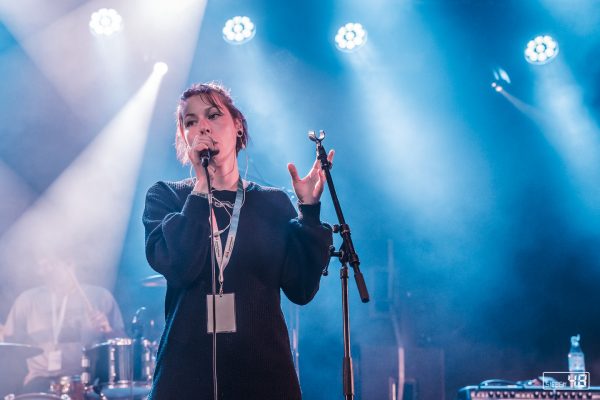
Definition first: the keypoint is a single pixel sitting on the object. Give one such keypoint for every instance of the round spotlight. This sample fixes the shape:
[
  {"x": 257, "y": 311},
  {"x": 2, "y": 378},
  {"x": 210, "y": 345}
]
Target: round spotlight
[
  {"x": 541, "y": 50},
  {"x": 238, "y": 30},
  {"x": 160, "y": 68},
  {"x": 350, "y": 37},
  {"x": 105, "y": 22}
]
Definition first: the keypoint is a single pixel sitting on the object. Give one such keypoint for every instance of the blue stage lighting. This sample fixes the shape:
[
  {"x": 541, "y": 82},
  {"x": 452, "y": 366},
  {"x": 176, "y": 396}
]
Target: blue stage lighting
[
  {"x": 350, "y": 37},
  {"x": 238, "y": 30},
  {"x": 541, "y": 50},
  {"x": 105, "y": 22}
]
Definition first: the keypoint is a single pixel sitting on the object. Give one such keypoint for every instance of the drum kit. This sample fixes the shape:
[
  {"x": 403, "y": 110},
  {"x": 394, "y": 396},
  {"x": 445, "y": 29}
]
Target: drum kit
[{"x": 118, "y": 368}]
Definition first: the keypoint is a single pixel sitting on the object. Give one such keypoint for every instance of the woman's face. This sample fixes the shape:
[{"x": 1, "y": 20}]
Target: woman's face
[{"x": 203, "y": 120}]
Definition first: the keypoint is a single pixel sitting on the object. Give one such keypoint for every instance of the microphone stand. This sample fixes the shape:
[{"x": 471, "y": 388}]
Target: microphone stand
[
  {"x": 205, "y": 159},
  {"x": 346, "y": 254}
]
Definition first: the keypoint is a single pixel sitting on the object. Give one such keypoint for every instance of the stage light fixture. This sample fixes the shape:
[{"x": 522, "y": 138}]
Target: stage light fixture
[
  {"x": 238, "y": 30},
  {"x": 350, "y": 37},
  {"x": 160, "y": 68},
  {"x": 501, "y": 79},
  {"x": 541, "y": 50},
  {"x": 105, "y": 22}
]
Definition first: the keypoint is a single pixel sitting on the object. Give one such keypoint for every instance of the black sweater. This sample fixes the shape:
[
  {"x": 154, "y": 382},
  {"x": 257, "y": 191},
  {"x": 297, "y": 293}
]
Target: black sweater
[{"x": 274, "y": 248}]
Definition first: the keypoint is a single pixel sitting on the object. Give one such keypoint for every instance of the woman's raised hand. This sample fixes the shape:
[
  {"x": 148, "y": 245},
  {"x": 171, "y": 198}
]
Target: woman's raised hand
[{"x": 309, "y": 189}]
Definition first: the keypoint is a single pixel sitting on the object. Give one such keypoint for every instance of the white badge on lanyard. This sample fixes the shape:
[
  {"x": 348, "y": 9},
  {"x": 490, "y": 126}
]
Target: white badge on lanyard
[
  {"x": 225, "y": 310},
  {"x": 225, "y": 302},
  {"x": 58, "y": 318}
]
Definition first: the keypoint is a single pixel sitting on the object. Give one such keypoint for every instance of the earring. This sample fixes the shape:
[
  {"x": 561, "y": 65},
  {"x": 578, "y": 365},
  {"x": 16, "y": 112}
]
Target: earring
[{"x": 240, "y": 133}]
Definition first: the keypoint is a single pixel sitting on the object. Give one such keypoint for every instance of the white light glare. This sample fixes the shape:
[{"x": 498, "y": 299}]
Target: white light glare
[
  {"x": 350, "y": 37},
  {"x": 161, "y": 68},
  {"x": 501, "y": 78},
  {"x": 541, "y": 50},
  {"x": 105, "y": 22},
  {"x": 238, "y": 30}
]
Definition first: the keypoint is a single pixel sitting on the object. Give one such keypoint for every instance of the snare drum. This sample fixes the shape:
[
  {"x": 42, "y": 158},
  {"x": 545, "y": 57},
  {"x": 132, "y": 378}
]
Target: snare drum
[{"x": 119, "y": 368}]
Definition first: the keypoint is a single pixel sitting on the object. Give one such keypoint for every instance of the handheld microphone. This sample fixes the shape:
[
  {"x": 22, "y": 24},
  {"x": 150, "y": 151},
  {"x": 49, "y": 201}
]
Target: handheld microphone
[{"x": 205, "y": 156}]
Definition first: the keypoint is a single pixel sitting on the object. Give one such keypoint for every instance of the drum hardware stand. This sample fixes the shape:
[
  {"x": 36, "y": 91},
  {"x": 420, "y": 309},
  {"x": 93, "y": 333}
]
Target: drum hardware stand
[
  {"x": 97, "y": 388},
  {"x": 347, "y": 255},
  {"x": 137, "y": 323},
  {"x": 136, "y": 364}
]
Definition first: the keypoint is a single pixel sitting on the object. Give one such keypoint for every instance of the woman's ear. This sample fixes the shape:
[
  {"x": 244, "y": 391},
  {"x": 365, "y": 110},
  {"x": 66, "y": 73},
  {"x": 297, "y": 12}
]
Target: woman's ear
[{"x": 238, "y": 125}]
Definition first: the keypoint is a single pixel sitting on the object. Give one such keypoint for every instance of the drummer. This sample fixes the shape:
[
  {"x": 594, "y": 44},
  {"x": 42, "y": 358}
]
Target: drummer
[{"x": 61, "y": 317}]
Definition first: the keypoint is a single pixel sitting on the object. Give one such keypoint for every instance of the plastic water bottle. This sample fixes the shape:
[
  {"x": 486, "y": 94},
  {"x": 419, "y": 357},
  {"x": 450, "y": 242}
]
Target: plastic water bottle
[{"x": 576, "y": 359}]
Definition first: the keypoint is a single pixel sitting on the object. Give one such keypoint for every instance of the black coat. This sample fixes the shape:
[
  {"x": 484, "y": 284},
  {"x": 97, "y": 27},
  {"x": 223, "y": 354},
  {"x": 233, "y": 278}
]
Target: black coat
[{"x": 274, "y": 249}]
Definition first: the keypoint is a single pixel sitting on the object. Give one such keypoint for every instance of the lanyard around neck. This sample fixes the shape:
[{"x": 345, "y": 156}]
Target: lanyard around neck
[
  {"x": 58, "y": 317},
  {"x": 223, "y": 255}
]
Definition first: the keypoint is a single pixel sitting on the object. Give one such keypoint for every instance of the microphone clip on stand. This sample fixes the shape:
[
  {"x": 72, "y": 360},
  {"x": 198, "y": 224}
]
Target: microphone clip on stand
[{"x": 347, "y": 255}]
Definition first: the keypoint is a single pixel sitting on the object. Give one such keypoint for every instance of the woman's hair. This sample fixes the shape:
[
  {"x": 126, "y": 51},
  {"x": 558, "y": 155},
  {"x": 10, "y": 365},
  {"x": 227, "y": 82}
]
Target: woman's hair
[{"x": 210, "y": 93}]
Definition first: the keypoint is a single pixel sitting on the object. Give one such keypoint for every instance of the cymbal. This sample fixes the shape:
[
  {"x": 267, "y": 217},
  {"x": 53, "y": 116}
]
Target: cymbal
[
  {"x": 154, "y": 281},
  {"x": 10, "y": 350}
]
